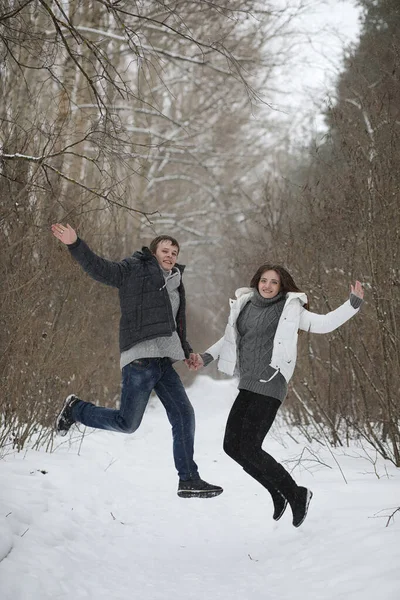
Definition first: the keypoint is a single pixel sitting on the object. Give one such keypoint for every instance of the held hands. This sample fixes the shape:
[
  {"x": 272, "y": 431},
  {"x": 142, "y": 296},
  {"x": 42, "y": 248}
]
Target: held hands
[
  {"x": 357, "y": 290},
  {"x": 194, "y": 362},
  {"x": 66, "y": 235}
]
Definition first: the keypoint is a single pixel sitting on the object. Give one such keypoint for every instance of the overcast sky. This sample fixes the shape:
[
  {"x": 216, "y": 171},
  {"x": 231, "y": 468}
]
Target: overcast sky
[{"x": 325, "y": 29}]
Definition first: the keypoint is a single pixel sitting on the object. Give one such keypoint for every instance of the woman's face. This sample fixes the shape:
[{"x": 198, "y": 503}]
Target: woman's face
[{"x": 270, "y": 284}]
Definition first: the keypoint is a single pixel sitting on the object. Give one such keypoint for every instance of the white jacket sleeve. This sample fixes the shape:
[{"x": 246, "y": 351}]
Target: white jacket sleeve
[
  {"x": 315, "y": 323},
  {"x": 215, "y": 349}
]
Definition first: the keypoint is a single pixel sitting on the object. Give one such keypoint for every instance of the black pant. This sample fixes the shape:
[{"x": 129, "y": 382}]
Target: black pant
[{"x": 249, "y": 421}]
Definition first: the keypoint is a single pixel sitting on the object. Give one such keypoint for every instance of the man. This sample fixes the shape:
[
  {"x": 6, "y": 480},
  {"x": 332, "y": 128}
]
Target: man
[{"x": 152, "y": 336}]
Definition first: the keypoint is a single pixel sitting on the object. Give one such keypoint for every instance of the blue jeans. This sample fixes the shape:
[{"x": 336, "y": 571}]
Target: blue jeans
[{"x": 139, "y": 379}]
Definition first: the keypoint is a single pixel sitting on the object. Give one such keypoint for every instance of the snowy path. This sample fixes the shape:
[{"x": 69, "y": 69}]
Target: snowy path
[{"x": 107, "y": 524}]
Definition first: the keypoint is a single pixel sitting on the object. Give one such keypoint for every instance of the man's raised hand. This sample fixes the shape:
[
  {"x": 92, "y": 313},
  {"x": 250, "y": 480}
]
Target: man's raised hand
[{"x": 66, "y": 235}]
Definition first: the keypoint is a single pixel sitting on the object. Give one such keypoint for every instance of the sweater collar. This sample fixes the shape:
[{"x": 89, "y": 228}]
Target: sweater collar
[{"x": 258, "y": 300}]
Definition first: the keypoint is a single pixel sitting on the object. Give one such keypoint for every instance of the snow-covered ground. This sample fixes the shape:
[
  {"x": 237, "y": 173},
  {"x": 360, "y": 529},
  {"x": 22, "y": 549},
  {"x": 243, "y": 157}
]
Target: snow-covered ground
[{"x": 101, "y": 520}]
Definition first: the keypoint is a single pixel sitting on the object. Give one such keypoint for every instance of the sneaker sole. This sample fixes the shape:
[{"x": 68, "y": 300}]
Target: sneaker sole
[
  {"x": 308, "y": 500},
  {"x": 199, "y": 493},
  {"x": 62, "y": 433}
]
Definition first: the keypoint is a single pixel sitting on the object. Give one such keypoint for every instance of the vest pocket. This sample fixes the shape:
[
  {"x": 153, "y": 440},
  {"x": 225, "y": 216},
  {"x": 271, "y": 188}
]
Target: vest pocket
[
  {"x": 288, "y": 329},
  {"x": 290, "y": 349},
  {"x": 135, "y": 318}
]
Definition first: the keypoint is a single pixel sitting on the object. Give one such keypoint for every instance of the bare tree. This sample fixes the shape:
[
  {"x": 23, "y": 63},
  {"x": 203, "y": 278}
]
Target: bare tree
[
  {"x": 334, "y": 217},
  {"x": 126, "y": 119}
]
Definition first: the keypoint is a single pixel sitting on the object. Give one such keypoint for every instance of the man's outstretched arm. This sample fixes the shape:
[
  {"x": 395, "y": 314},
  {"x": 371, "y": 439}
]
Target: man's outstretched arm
[{"x": 101, "y": 269}]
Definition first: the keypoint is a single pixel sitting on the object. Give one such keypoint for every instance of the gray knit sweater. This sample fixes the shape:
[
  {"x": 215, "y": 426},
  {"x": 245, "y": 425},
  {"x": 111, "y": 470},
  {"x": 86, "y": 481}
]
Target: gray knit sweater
[{"x": 256, "y": 325}]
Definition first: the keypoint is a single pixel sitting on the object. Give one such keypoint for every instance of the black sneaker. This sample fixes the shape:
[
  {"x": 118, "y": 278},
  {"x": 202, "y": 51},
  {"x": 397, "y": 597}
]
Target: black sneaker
[
  {"x": 280, "y": 504},
  {"x": 197, "y": 488},
  {"x": 64, "y": 419},
  {"x": 300, "y": 505}
]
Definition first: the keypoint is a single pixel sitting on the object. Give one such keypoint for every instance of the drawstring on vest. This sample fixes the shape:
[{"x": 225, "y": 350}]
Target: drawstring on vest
[{"x": 271, "y": 378}]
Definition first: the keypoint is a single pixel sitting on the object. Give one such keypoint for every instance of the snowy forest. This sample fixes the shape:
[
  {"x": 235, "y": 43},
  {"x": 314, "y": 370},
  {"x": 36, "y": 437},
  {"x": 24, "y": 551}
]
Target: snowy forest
[{"x": 129, "y": 119}]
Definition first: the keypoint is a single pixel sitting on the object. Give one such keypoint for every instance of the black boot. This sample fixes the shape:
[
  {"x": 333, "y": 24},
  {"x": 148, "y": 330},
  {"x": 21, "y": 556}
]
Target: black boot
[
  {"x": 64, "y": 419},
  {"x": 300, "y": 505},
  {"x": 197, "y": 488},
  {"x": 280, "y": 504}
]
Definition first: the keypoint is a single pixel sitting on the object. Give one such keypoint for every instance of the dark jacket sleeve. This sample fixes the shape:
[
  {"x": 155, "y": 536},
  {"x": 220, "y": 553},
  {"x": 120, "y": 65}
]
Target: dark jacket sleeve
[
  {"x": 187, "y": 348},
  {"x": 356, "y": 301},
  {"x": 207, "y": 358},
  {"x": 102, "y": 270},
  {"x": 181, "y": 322}
]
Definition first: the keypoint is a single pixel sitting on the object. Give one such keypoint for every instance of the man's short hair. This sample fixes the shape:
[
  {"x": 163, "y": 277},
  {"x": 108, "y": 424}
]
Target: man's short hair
[{"x": 162, "y": 238}]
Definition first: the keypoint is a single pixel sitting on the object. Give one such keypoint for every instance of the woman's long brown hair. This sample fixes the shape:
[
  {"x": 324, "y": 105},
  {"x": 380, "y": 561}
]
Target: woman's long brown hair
[{"x": 286, "y": 280}]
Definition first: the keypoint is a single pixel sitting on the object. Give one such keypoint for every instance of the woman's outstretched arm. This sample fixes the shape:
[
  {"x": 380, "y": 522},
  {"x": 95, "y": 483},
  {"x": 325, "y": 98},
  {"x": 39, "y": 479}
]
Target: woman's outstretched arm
[{"x": 315, "y": 323}]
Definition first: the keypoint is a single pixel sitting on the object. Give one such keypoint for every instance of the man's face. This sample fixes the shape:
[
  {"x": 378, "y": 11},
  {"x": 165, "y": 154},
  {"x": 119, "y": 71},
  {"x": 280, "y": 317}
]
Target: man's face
[{"x": 166, "y": 254}]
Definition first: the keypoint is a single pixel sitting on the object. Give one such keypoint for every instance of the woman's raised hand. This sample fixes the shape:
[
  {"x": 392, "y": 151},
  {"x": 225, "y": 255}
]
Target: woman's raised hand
[
  {"x": 357, "y": 290},
  {"x": 66, "y": 235}
]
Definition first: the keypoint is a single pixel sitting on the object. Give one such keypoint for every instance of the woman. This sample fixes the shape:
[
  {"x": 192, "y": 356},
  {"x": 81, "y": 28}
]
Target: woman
[{"x": 260, "y": 345}]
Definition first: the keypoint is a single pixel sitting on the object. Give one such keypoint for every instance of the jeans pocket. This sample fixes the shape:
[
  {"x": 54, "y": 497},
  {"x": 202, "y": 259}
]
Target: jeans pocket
[{"x": 140, "y": 363}]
